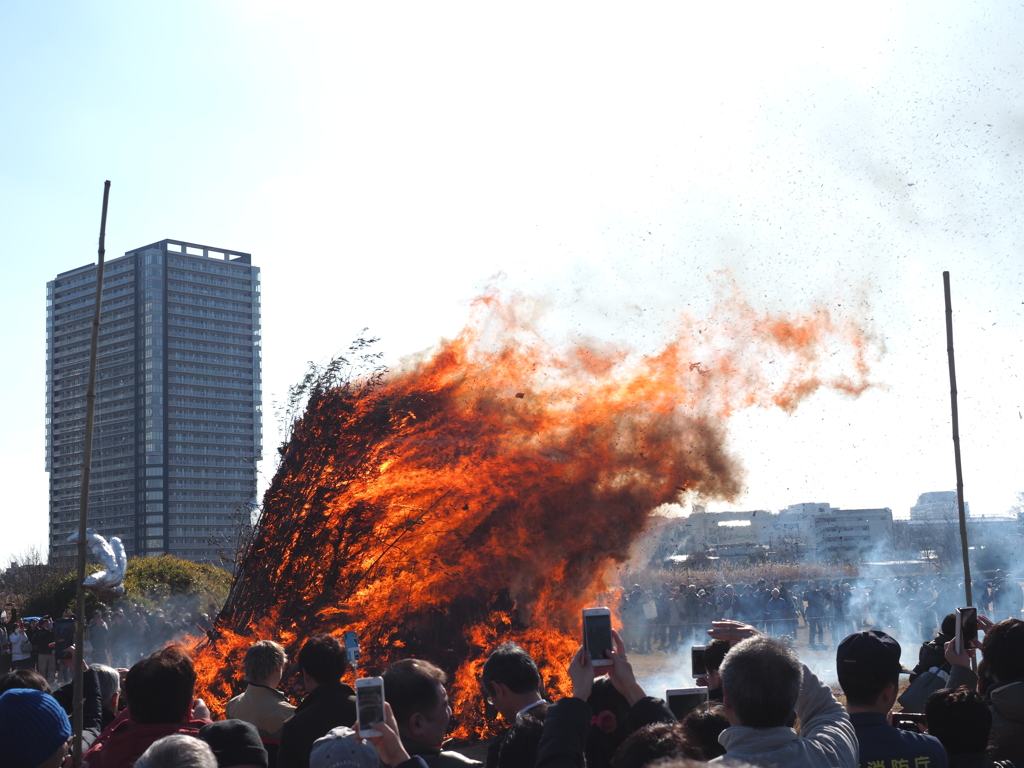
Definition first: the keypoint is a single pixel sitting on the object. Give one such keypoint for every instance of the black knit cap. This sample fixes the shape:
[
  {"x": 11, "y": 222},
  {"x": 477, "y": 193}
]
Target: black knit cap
[{"x": 234, "y": 742}]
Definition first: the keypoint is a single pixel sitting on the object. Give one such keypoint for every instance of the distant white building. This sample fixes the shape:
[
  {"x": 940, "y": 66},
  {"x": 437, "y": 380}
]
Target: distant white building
[
  {"x": 808, "y": 531},
  {"x": 728, "y": 533},
  {"x": 854, "y": 534},
  {"x": 937, "y": 507}
]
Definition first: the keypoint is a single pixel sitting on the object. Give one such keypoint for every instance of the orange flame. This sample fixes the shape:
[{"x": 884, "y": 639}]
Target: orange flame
[{"x": 484, "y": 494}]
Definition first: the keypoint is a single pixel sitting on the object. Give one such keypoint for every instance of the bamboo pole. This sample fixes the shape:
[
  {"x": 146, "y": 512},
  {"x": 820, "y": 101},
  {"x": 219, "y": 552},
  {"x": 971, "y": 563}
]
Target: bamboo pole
[
  {"x": 83, "y": 508},
  {"x": 956, "y": 440}
]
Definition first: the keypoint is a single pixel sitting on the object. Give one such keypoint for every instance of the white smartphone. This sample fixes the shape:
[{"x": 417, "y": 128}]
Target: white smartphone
[
  {"x": 369, "y": 705},
  {"x": 597, "y": 635},
  {"x": 966, "y": 628}
]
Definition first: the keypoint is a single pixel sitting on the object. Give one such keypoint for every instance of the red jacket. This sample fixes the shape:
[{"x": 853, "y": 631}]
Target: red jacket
[{"x": 123, "y": 741}]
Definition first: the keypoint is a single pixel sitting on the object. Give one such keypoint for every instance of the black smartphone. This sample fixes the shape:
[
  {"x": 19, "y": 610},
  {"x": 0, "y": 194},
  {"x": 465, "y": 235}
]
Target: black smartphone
[
  {"x": 63, "y": 637},
  {"x": 909, "y": 721},
  {"x": 597, "y": 635},
  {"x": 697, "y": 667},
  {"x": 966, "y": 628},
  {"x": 369, "y": 705},
  {"x": 683, "y": 700}
]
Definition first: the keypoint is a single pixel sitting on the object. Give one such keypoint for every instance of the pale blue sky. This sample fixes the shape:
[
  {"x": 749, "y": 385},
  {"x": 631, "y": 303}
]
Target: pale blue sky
[{"x": 383, "y": 162}]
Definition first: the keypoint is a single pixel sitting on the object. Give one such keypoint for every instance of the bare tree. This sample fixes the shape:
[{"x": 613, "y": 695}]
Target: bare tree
[
  {"x": 1018, "y": 506},
  {"x": 25, "y": 573}
]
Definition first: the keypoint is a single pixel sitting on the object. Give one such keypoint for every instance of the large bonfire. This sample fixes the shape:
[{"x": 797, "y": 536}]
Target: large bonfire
[{"x": 485, "y": 493}]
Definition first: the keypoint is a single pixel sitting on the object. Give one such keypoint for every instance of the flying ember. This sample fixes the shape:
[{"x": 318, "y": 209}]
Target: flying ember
[{"x": 486, "y": 493}]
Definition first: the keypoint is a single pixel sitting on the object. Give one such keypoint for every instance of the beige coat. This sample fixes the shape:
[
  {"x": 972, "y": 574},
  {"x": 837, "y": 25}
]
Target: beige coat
[{"x": 264, "y": 707}]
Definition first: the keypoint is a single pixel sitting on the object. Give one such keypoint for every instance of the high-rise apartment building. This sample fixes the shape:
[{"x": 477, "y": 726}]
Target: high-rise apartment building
[{"x": 178, "y": 426}]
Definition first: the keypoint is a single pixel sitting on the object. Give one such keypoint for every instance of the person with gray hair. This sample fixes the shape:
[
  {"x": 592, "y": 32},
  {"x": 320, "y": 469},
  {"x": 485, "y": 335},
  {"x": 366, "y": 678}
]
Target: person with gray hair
[
  {"x": 763, "y": 682},
  {"x": 177, "y": 751},
  {"x": 261, "y": 703},
  {"x": 110, "y": 690}
]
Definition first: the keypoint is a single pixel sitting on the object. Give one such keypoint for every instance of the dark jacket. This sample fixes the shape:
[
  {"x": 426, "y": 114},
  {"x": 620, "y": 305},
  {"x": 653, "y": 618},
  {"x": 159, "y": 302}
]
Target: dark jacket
[
  {"x": 815, "y": 604},
  {"x": 648, "y": 710},
  {"x": 92, "y": 709},
  {"x": 565, "y": 734},
  {"x": 325, "y": 708},
  {"x": 568, "y": 723},
  {"x": 932, "y": 654},
  {"x": 1006, "y": 740},
  {"x": 98, "y": 633},
  {"x": 879, "y": 741},
  {"x": 536, "y": 713},
  {"x": 41, "y": 640}
]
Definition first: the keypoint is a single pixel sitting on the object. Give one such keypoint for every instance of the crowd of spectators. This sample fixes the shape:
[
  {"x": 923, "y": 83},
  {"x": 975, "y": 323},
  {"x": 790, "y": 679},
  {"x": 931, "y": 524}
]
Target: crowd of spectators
[
  {"x": 764, "y": 708},
  {"x": 116, "y": 637},
  {"x": 674, "y": 616}
]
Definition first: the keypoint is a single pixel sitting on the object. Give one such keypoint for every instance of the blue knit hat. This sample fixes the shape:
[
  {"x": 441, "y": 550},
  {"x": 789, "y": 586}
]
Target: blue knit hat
[{"x": 32, "y": 727}]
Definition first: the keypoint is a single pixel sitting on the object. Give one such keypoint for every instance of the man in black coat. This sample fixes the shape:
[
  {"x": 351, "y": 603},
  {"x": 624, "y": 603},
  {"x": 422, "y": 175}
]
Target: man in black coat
[
  {"x": 511, "y": 683},
  {"x": 328, "y": 703}
]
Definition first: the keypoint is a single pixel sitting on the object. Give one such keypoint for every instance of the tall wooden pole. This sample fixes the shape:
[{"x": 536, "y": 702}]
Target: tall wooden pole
[
  {"x": 83, "y": 507},
  {"x": 956, "y": 440}
]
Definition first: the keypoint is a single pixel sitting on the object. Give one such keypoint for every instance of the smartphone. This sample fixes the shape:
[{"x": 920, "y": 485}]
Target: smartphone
[
  {"x": 697, "y": 661},
  {"x": 683, "y": 700},
  {"x": 909, "y": 721},
  {"x": 63, "y": 637},
  {"x": 369, "y": 705},
  {"x": 966, "y": 628},
  {"x": 352, "y": 647},
  {"x": 597, "y": 635}
]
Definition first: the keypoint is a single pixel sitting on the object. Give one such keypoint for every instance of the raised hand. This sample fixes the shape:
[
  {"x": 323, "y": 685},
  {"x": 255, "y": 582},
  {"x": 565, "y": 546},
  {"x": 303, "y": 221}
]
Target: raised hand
[
  {"x": 200, "y": 711},
  {"x": 962, "y": 659},
  {"x": 388, "y": 744},
  {"x": 621, "y": 672},
  {"x": 581, "y": 672},
  {"x": 733, "y": 631}
]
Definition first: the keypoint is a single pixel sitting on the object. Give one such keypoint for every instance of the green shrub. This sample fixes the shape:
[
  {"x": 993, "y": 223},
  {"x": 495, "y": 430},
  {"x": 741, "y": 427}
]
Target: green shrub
[
  {"x": 57, "y": 593},
  {"x": 149, "y": 581}
]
